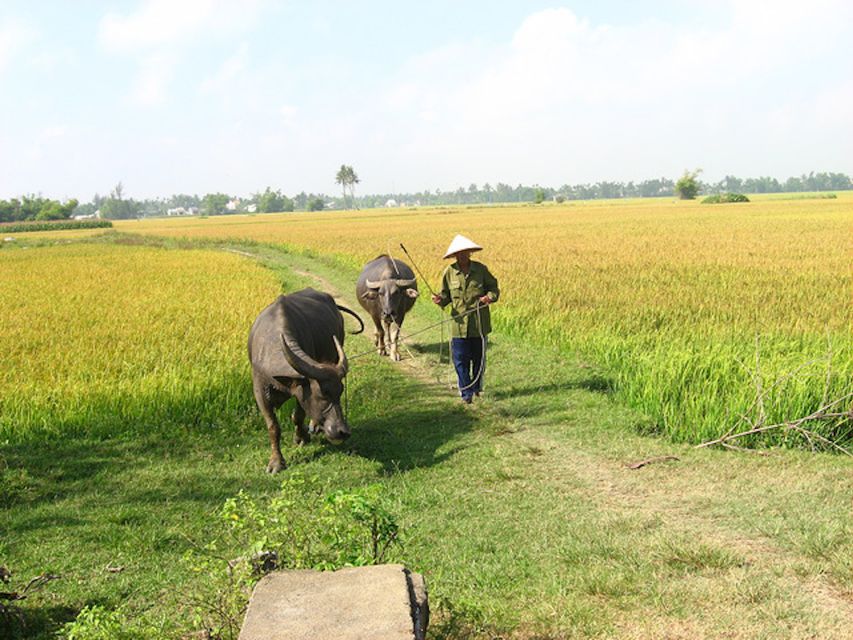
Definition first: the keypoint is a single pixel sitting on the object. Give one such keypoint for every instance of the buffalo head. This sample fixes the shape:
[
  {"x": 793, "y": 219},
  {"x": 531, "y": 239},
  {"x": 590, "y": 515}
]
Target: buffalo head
[
  {"x": 389, "y": 293},
  {"x": 319, "y": 390}
]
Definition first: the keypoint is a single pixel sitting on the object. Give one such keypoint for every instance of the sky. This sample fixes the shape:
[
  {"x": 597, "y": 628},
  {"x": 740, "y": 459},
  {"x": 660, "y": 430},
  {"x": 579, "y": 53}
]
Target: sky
[{"x": 199, "y": 96}]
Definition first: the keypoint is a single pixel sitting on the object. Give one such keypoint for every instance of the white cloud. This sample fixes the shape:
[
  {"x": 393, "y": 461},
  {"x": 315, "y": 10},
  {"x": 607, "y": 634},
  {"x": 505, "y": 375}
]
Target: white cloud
[
  {"x": 230, "y": 70},
  {"x": 46, "y": 137},
  {"x": 46, "y": 61},
  {"x": 158, "y": 23},
  {"x": 832, "y": 108},
  {"x": 566, "y": 99},
  {"x": 14, "y": 37},
  {"x": 155, "y": 23},
  {"x": 288, "y": 114},
  {"x": 150, "y": 87},
  {"x": 55, "y": 131},
  {"x": 159, "y": 32}
]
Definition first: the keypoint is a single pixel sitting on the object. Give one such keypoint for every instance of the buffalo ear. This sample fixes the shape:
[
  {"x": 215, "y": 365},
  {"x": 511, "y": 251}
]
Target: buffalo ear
[
  {"x": 370, "y": 294},
  {"x": 412, "y": 293}
]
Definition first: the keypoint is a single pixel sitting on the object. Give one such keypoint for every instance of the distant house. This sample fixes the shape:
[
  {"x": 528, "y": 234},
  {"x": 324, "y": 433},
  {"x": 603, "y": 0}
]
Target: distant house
[
  {"x": 90, "y": 216},
  {"x": 182, "y": 211},
  {"x": 390, "y": 202},
  {"x": 251, "y": 208},
  {"x": 233, "y": 204}
]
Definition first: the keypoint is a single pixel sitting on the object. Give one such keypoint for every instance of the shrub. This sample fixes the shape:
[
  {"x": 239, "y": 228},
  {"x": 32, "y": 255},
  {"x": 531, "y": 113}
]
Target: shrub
[
  {"x": 11, "y": 615},
  {"x": 315, "y": 204},
  {"x": 97, "y": 623},
  {"x": 304, "y": 526},
  {"x": 62, "y": 225},
  {"x": 688, "y": 186},
  {"x": 719, "y": 198}
]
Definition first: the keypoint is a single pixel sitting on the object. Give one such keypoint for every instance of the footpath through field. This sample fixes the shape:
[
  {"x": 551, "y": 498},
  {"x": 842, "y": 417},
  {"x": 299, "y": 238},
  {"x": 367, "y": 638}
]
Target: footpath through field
[{"x": 534, "y": 521}]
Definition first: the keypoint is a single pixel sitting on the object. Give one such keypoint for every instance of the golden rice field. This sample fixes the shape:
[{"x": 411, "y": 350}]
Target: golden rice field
[
  {"x": 94, "y": 337},
  {"x": 690, "y": 308}
]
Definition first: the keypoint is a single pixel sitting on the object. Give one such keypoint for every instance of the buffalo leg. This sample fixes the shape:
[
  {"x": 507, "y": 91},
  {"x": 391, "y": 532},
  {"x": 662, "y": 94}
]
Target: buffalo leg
[
  {"x": 264, "y": 401},
  {"x": 379, "y": 337},
  {"x": 301, "y": 434},
  {"x": 393, "y": 333}
]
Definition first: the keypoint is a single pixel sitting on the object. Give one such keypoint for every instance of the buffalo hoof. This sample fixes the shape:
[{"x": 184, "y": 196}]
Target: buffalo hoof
[
  {"x": 395, "y": 356},
  {"x": 276, "y": 465},
  {"x": 301, "y": 438}
]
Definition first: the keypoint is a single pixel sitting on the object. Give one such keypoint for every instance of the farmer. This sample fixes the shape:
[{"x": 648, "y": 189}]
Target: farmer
[{"x": 469, "y": 288}]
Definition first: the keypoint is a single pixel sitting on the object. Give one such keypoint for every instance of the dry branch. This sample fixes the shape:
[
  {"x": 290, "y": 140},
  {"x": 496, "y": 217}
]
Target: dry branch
[
  {"x": 643, "y": 463},
  {"x": 823, "y": 413},
  {"x": 763, "y": 392}
]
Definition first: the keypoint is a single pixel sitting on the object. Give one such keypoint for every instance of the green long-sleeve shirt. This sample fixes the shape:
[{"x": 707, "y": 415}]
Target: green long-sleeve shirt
[{"x": 462, "y": 292}]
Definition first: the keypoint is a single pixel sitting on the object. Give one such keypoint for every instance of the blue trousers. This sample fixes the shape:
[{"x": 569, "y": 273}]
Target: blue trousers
[{"x": 469, "y": 360}]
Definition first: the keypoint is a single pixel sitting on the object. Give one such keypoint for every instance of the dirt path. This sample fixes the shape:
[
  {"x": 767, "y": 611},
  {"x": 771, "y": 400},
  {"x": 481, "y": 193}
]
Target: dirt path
[
  {"x": 439, "y": 376},
  {"x": 676, "y": 501},
  {"x": 724, "y": 517},
  {"x": 325, "y": 285}
]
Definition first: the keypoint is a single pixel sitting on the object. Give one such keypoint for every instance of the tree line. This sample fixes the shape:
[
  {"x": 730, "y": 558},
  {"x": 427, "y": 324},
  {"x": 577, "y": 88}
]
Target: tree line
[
  {"x": 34, "y": 207},
  {"x": 117, "y": 205},
  {"x": 651, "y": 188}
]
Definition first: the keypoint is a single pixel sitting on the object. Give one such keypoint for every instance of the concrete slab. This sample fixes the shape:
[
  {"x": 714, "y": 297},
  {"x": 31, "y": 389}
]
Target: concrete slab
[{"x": 382, "y": 602}]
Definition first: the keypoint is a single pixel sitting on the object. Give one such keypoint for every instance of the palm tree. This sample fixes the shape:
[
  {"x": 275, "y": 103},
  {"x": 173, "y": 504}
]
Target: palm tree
[{"x": 347, "y": 177}]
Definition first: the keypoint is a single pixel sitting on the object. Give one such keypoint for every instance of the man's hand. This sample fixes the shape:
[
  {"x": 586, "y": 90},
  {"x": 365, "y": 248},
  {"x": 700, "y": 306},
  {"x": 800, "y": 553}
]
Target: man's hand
[
  {"x": 436, "y": 298},
  {"x": 485, "y": 300}
]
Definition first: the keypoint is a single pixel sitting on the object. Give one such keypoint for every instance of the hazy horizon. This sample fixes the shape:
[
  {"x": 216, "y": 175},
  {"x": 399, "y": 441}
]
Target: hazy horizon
[{"x": 208, "y": 96}]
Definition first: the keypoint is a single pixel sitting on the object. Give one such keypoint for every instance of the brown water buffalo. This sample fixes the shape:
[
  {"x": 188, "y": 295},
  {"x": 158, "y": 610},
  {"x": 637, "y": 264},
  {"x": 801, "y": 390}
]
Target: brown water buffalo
[
  {"x": 296, "y": 350},
  {"x": 387, "y": 290}
]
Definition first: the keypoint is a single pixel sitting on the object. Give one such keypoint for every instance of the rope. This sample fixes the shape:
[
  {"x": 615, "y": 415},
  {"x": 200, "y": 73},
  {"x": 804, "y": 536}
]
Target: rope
[
  {"x": 482, "y": 351},
  {"x": 441, "y": 324},
  {"x": 420, "y": 331},
  {"x": 441, "y": 349},
  {"x": 391, "y": 258},
  {"x": 346, "y": 398}
]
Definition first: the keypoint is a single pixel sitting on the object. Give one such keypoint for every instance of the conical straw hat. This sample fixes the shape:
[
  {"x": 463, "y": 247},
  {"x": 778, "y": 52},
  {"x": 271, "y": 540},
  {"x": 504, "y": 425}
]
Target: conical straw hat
[{"x": 461, "y": 243}]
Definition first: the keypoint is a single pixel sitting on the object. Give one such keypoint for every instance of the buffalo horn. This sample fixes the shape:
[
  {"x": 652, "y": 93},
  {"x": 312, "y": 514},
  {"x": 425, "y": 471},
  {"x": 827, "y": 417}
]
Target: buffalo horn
[
  {"x": 305, "y": 364},
  {"x": 405, "y": 283},
  {"x": 342, "y": 366},
  {"x": 373, "y": 284}
]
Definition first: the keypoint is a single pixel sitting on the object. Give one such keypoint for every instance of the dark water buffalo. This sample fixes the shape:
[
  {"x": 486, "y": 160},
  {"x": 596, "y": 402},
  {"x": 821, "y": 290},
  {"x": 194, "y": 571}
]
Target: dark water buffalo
[
  {"x": 387, "y": 289},
  {"x": 296, "y": 350}
]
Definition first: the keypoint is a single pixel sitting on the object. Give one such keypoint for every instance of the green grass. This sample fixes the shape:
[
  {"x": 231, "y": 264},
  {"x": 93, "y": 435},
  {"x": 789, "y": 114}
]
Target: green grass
[{"x": 519, "y": 510}]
